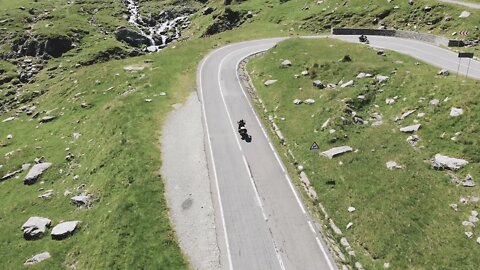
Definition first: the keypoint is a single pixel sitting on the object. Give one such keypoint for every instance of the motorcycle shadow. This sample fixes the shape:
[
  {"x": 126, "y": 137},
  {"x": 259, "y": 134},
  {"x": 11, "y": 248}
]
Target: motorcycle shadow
[{"x": 247, "y": 138}]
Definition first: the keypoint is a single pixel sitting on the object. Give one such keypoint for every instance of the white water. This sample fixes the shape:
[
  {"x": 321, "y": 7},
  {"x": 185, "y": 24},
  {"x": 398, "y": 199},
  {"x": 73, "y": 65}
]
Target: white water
[{"x": 159, "y": 29}]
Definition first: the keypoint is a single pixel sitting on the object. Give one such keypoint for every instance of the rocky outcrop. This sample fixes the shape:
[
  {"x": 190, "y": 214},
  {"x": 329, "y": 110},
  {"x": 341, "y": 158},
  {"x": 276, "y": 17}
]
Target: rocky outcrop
[
  {"x": 37, "y": 46},
  {"x": 131, "y": 37},
  {"x": 228, "y": 20},
  {"x": 35, "y": 227}
]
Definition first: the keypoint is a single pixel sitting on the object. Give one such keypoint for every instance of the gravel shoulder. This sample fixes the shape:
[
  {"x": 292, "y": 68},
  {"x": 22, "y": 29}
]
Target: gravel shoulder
[{"x": 187, "y": 185}]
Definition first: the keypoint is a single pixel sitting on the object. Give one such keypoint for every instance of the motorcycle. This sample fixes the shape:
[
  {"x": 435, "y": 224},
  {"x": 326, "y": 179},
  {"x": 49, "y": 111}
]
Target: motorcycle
[
  {"x": 363, "y": 39},
  {"x": 242, "y": 130}
]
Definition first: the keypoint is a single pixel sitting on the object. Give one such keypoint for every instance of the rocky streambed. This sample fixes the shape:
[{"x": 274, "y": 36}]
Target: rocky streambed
[{"x": 153, "y": 31}]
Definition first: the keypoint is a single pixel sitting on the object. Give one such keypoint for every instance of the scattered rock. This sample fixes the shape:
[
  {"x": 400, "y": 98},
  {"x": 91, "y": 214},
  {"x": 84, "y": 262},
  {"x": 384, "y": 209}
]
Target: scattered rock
[
  {"x": 80, "y": 200},
  {"x": 434, "y": 102},
  {"x": 456, "y": 112},
  {"x": 464, "y": 14},
  {"x": 47, "y": 119},
  {"x": 207, "y": 10},
  {"x": 65, "y": 229},
  {"x": 410, "y": 129},
  {"x": 11, "y": 118},
  {"x": 36, "y": 171},
  {"x": 381, "y": 78},
  {"x": 468, "y": 224},
  {"x": 297, "y": 101},
  {"x": 35, "y": 227},
  {"x": 346, "y": 58},
  {"x": 390, "y": 101},
  {"x": 37, "y": 258},
  {"x": 351, "y": 209},
  {"x": 393, "y": 165},
  {"x": 47, "y": 195},
  {"x": 269, "y": 82},
  {"x": 406, "y": 114},
  {"x": 309, "y": 101},
  {"x": 441, "y": 162},
  {"x": 454, "y": 206},
  {"x": 76, "y": 135},
  {"x": 325, "y": 124},
  {"x": 362, "y": 75},
  {"x": 334, "y": 227},
  {"x": 349, "y": 225},
  {"x": 304, "y": 73},
  {"x": 478, "y": 240},
  {"x": 443, "y": 72},
  {"x": 347, "y": 84},
  {"x": 468, "y": 182},
  {"x": 318, "y": 84},
  {"x": 469, "y": 234},
  {"x": 413, "y": 140},
  {"x": 286, "y": 63},
  {"x": 336, "y": 151}
]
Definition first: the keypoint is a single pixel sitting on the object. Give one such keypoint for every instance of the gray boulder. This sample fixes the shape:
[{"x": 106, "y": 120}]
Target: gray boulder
[
  {"x": 47, "y": 119},
  {"x": 131, "y": 37},
  {"x": 468, "y": 182},
  {"x": 297, "y": 101},
  {"x": 443, "y": 72},
  {"x": 347, "y": 84},
  {"x": 434, "y": 102},
  {"x": 79, "y": 200},
  {"x": 406, "y": 114},
  {"x": 35, "y": 227},
  {"x": 64, "y": 230},
  {"x": 393, "y": 165},
  {"x": 441, "y": 162},
  {"x": 318, "y": 84},
  {"x": 410, "y": 129},
  {"x": 381, "y": 78},
  {"x": 36, "y": 171},
  {"x": 287, "y": 63},
  {"x": 269, "y": 82},
  {"x": 456, "y": 112},
  {"x": 336, "y": 151},
  {"x": 464, "y": 14},
  {"x": 308, "y": 101},
  {"x": 46, "y": 195},
  {"x": 413, "y": 140},
  {"x": 37, "y": 258}
]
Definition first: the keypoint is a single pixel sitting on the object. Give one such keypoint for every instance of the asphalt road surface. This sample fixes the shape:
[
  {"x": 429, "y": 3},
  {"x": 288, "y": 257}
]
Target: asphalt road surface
[
  {"x": 462, "y": 3},
  {"x": 262, "y": 222}
]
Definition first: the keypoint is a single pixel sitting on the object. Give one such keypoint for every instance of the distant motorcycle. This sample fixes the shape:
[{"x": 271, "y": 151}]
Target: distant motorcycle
[
  {"x": 363, "y": 39},
  {"x": 242, "y": 130}
]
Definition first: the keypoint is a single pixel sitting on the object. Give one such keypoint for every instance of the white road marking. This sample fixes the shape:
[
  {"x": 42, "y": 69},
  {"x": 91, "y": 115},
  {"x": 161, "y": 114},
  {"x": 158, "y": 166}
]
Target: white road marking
[{"x": 222, "y": 216}]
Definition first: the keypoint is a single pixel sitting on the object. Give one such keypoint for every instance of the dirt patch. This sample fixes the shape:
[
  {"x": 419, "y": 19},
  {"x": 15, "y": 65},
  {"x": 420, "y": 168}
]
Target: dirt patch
[{"x": 187, "y": 185}]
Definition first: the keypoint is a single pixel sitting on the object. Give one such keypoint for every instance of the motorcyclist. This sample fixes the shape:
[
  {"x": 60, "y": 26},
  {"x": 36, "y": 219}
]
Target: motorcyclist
[{"x": 241, "y": 124}]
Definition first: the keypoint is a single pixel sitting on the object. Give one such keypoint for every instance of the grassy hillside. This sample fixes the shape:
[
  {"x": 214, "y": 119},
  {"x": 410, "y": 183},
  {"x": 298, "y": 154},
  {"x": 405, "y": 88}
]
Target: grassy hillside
[{"x": 403, "y": 216}]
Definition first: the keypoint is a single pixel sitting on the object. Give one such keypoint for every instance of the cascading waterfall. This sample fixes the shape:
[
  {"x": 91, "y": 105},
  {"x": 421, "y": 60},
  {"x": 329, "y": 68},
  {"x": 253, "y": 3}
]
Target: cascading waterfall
[{"x": 161, "y": 32}]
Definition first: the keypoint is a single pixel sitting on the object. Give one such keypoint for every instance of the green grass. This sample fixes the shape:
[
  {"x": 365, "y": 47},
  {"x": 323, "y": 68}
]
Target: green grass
[{"x": 403, "y": 216}]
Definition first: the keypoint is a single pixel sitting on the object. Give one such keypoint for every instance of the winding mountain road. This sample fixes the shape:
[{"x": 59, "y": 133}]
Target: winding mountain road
[{"x": 262, "y": 223}]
